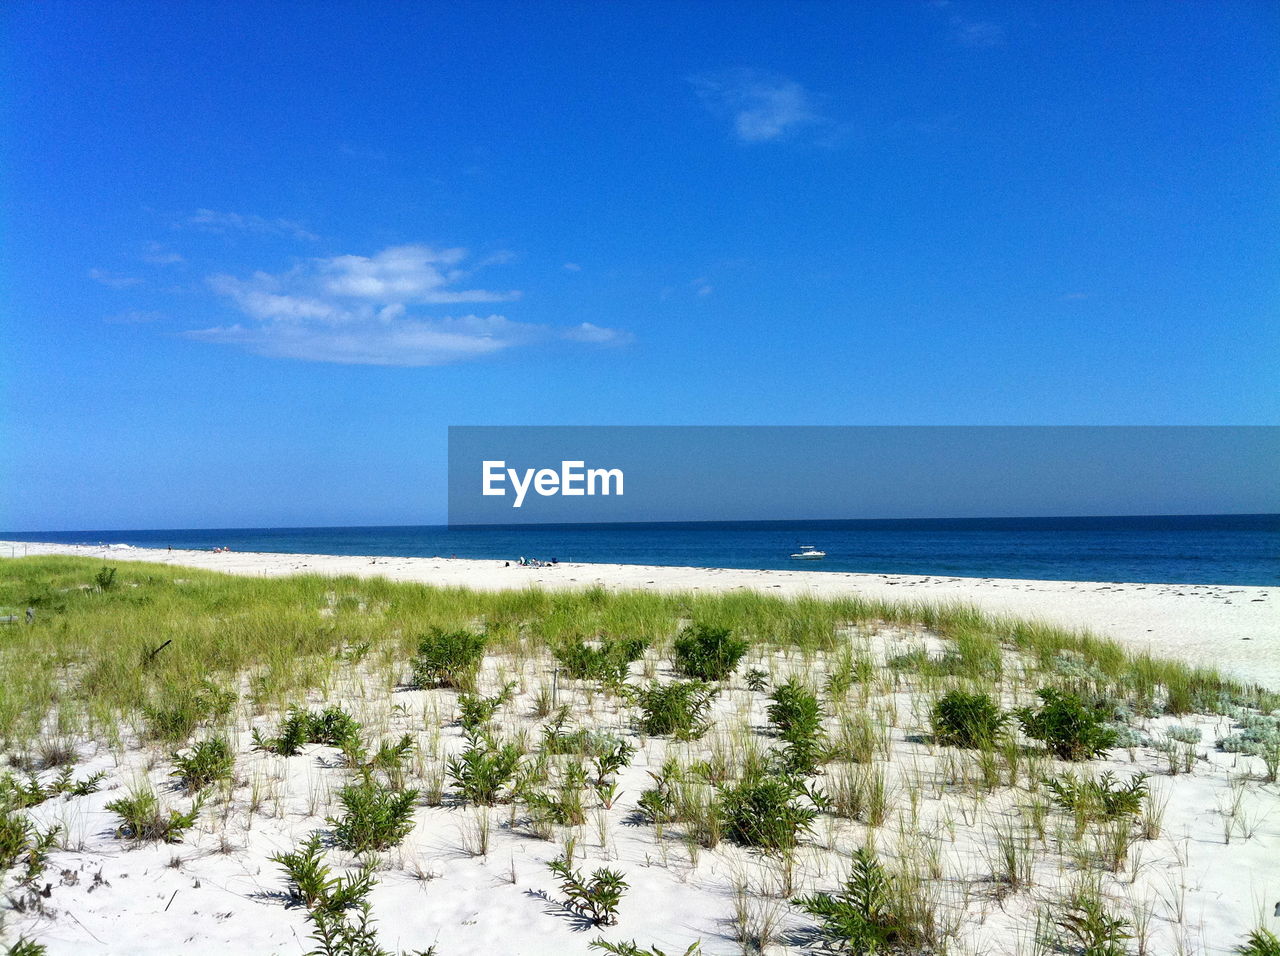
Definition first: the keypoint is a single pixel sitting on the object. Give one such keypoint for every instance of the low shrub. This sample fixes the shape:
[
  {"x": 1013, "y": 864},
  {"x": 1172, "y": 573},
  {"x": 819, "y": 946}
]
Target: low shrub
[
  {"x": 677, "y": 709},
  {"x": 967, "y": 720},
  {"x": 708, "y": 653},
  {"x": 312, "y": 884},
  {"x": 16, "y": 794},
  {"x": 595, "y": 899},
  {"x": 860, "y": 919},
  {"x": 797, "y": 715},
  {"x": 332, "y": 726},
  {"x": 207, "y": 762},
  {"x": 607, "y": 661},
  {"x": 142, "y": 817},
  {"x": 484, "y": 770},
  {"x": 767, "y": 812},
  {"x": 448, "y": 659},
  {"x": 375, "y": 817},
  {"x": 1070, "y": 729},
  {"x": 1101, "y": 798},
  {"x": 476, "y": 711},
  {"x": 1261, "y": 942}
]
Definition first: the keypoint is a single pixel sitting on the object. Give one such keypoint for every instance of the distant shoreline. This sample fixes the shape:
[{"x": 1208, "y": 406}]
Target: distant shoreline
[{"x": 1235, "y": 628}]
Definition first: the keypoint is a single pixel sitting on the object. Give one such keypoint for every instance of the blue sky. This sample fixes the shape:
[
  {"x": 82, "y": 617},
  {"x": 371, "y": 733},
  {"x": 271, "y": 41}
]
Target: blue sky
[{"x": 258, "y": 257}]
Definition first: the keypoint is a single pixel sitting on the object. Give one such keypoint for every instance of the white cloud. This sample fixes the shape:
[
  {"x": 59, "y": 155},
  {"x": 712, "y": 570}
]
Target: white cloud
[
  {"x": 762, "y": 106},
  {"x": 572, "y": 267},
  {"x": 113, "y": 281},
  {"x": 355, "y": 310},
  {"x": 159, "y": 255},
  {"x": 213, "y": 221},
  {"x": 134, "y": 317},
  {"x": 977, "y": 33}
]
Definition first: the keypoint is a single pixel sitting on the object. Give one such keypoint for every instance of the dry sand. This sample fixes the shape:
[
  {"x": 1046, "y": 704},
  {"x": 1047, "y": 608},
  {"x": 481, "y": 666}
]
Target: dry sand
[{"x": 1231, "y": 627}]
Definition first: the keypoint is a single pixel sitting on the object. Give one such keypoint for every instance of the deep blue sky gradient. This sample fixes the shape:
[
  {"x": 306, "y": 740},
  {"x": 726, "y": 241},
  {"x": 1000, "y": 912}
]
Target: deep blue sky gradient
[{"x": 883, "y": 213}]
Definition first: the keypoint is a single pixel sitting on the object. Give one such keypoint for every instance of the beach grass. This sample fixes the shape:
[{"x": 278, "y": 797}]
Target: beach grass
[
  {"x": 158, "y": 642},
  {"x": 957, "y": 760}
]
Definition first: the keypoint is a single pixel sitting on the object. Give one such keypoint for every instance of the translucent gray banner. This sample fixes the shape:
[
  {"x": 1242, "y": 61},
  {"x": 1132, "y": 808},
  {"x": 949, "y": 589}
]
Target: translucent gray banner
[{"x": 553, "y": 474}]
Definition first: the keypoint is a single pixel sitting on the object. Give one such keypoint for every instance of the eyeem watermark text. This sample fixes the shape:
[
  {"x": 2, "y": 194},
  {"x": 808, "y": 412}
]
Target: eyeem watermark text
[{"x": 573, "y": 478}]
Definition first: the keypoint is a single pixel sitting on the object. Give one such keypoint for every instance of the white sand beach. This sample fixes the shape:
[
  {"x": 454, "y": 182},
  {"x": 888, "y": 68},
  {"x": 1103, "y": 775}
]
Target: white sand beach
[
  {"x": 1231, "y": 627},
  {"x": 1194, "y": 874}
]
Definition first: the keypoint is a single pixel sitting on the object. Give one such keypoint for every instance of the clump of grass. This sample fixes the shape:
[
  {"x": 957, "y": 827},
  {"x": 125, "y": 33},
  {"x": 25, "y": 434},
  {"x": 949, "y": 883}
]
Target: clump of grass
[
  {"x": 375, "y": 817},
  {"x": 675, "y": 710},
  {"x": 607, "y": 661},
  {"x": 332, "y": 726},
  {"x": 22, "y": 843},
  {"x": 1261, "y": 942},
  {"x": 632, "y": 948},
  {"x": 476, "y": 711},
  {"x": 448, "y": 659},
  {"x": 968, "y": 720},
  {"x": 16, "y": 794},
  {"x": 1070, "y": 729},
  {"x": 485, "y": 769},
  {"x": 207, "y": 762},
  {"x": 708, "y": 653},
  {"x": 768, "y": 812},
  {"x": 142, "y": 817},
  {"x": 860, "y": 918}
]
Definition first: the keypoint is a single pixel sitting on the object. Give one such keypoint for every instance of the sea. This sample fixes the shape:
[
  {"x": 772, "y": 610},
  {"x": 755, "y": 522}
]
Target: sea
[{"x": 1181, "y": 549}]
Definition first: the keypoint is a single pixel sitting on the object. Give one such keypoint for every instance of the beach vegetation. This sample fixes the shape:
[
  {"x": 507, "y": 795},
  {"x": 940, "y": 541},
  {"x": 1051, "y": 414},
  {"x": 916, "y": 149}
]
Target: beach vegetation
[
  {"x": 708, "y": 653},
  {"x": 596, "y": 898},
  {"x": 375, "y": 816},
  {"x": 962, "y": 719},
  {"x": 448, "y": 658},
  {"x": 1070, "y": 729},
  {"x": 677, "y": 709}
]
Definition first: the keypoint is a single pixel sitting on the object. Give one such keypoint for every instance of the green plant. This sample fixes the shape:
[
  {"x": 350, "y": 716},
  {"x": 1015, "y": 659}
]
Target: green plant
[
  {"x": 142, "y": 817},
  {"x": 756, "y": 680},
  {"x": 766, "y": 812},
  {"x": 1070, "y": 729},
  {"x": 312, "y": 884},
  {"x": 26, "y": 947},
  {"x": 375, "y": 816},
  {"x": 448, "y": 659},
  {"x": 677, "y": 709},
  {"x": 17, "y": 795},
  {"x": 860, "y": 919},
  {"x": 484, "y": 769},
  {"x": 1099, "y": 798},
  {"x": 1087, "y": 925},
  {"x": 1261, "y": 942},
  {"x": 207, "y": 762},
  {"x": 610, "y": 761},
  {"x": 708, "y": 653},
  {"x": 596, "y": 899},
  {"x": 475, "y": 711},
  {"x": 632, "y": 948},
  {"x": 797, "y": 715},
  {"x": 608, "y": 660},
  {"x": 967, "y": 720},
  {"x": 20, "y": 841},
  {"x": 332, "y": 726},
  {"x": 105, "y": 579}
]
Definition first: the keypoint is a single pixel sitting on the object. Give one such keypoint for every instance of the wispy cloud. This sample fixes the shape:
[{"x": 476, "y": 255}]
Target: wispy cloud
[
  {"x": 762, "y": 107},
  {"x": 977, "y": 33},
  {"x": 134, "y": 317},
  {"x": 354, "y": 310},
  {"x": 213, "y": 221},
  {"x": 159, "y": 255},
  {"x": 113, "y": 280}
]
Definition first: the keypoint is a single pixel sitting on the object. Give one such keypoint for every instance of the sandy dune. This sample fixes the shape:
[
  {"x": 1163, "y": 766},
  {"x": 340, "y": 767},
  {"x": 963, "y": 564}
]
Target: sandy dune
[{"x": 1234, "y": 628}]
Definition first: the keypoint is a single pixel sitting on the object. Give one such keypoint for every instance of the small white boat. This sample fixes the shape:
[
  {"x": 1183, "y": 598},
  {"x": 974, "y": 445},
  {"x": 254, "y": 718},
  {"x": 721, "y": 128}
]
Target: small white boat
[{"x": 808, "y": 552}]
